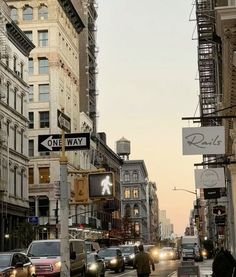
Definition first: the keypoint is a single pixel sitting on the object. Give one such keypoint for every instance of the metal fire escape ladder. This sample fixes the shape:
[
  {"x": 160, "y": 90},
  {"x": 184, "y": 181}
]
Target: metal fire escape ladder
[{"x": 207, "y": 59}]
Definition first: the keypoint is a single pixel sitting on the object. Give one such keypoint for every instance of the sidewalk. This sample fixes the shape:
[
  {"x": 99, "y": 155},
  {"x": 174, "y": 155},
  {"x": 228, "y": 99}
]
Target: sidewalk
[{"x": 205, "y": 268}]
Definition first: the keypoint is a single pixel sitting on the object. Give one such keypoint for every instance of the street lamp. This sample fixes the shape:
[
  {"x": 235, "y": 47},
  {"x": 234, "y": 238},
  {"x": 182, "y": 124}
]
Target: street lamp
[{"x": 187, "y": 191}]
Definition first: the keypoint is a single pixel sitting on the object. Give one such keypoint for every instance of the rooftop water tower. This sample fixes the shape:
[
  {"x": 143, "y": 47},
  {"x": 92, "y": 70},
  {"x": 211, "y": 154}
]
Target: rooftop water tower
[{"x": 123, "y": 148}]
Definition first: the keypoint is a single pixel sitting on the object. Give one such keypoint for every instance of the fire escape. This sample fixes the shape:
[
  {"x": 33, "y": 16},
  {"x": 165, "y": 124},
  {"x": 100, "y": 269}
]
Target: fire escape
[{"x": 207, "y": 62}]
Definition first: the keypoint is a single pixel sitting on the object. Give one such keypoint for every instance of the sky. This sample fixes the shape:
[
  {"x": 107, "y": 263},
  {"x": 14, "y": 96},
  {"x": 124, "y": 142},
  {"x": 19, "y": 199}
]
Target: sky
[{"x": 147, "y": 82}]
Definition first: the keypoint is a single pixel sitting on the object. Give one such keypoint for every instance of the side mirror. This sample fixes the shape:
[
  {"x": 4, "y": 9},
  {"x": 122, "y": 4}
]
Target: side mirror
[{"x": 73, "y": 255}]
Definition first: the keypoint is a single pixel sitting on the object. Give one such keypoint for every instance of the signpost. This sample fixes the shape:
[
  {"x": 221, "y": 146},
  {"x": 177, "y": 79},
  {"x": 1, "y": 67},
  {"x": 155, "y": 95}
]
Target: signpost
[{"x": 73, "y": 141}]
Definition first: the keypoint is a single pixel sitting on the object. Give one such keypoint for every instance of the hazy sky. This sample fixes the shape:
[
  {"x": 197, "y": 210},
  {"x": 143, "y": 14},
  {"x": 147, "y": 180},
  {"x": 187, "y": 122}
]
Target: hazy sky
[{"x": 147, "y": 83}]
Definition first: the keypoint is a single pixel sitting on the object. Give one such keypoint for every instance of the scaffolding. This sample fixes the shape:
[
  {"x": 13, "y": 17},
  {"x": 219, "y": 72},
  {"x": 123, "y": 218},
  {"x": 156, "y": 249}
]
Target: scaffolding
[{"x": 207, "y": 61}]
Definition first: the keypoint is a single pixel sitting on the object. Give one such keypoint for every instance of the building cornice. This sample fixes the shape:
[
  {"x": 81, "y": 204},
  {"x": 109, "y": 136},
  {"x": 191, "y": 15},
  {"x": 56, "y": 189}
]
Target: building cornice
[{"x": 72, "y": 14}]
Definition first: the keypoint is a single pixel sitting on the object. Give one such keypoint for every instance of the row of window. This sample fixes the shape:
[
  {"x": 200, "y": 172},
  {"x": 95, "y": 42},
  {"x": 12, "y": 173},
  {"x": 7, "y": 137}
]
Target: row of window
[
  {"x": 15, "y": 65},
  {"x": 43, "y": 66},
  {"x": 42, "y": 37},
  {"x": 43, "y": 120},
  {"x": 131, "y": 193},
  {"x": 27, "y": 13},
  {"x": 131, "y": 212},
  {"x": 43, "y": 93},
  {"x": 128, "y": 175}
]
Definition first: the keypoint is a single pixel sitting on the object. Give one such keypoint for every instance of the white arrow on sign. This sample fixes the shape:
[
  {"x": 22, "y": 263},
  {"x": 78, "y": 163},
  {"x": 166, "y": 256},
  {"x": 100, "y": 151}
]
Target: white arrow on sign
[{"x": 51, "y": 142}]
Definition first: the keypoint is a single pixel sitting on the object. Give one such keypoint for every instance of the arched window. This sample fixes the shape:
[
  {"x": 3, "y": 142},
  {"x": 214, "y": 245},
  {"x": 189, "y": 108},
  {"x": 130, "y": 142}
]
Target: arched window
[
  {"x": 127, "y": 210},
  {"x": 136, "y": 210},
  {"x": 14, "y": 14},
  {"x": 43, "y": 12},
  {"x": 27, "y": 13}
]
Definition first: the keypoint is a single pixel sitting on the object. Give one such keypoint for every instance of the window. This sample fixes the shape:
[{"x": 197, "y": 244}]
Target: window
[
  {"x": 31, "y": 93},
  {"x": 31, "y": 66},
  {"x": 136, "y": 210},
  {"x": 31, "y": 148},
  {"x": 43, "y": 206},
  {"x": 22, "y": 183},
  {"x": 21, "y": 70},
  {"x": 31, "y": 120},
  {"x": 27, "y": 13},
  {"x": 137, "y": 228},
  {"x": 15, "y": 137},
  {"x": 43, "y": 12},
  {"x": 14, "y": 177},
  {"x": 44, "y": 175},
  {"x": 22, "y": 104},
  {"x": 15, "y": 97},
  {"x": 44, "y": 119},
  {"x": 14, "y": 14},
  {"x": 8, "y": 92},
  {"x": 7, "y": 60},
  {"x": 43, "y": 65},
  {"x": 126, "y": 177},
  {"x": 43, "y": 38},
  {"x": 21, "y": 141},
  {"x": 135, "y": 176},
  {"x": 127, "y": 193},
  {"x": 31, "y": 175},
  {"x": 136, "y": 193},
  {"x": 127, "y": 210},
  {"x": 44, "y": 92},
  {"x": 29, "y": 35},
  {"x": 14, "y": 63}
]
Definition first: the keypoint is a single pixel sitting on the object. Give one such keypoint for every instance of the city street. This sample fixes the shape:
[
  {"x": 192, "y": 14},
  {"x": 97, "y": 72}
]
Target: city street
[{"x": 162, "y": 269}]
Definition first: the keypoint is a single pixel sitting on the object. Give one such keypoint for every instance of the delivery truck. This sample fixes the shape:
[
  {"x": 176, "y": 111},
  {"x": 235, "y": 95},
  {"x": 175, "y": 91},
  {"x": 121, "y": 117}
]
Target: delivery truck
[{"x": 190, "y": 248}]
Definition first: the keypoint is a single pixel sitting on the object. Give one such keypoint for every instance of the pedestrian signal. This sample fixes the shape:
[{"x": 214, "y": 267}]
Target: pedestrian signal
[
  {"x": 81, "y": 190},
  {"x": 101, "y": 185}
]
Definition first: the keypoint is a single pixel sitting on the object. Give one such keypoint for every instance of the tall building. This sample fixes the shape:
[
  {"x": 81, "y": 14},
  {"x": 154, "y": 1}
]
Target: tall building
[
  {"x": 54, "y": 27},
  {"x": 15, "y": 48},
  {"x": 87, "y": 56},
  {"x": 166, "y": 228}
]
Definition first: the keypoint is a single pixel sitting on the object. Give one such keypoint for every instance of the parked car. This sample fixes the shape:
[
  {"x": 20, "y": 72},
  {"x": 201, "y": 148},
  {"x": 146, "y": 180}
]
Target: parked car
[
  {"x": 113, "y": 257},
  {"x": 129, "y": 252},
  {"x": 167, "y": 253},
  {"x": 45, "y": 255},
  {"x": 95, "y": 265},
  {"x": 16, "y": 264}
]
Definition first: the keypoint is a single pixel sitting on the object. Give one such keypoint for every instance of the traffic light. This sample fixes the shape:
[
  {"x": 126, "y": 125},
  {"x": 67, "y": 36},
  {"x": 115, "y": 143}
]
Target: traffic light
[
  {"x": 81, "y": 190},
  {"x": 101, "y": 185}
]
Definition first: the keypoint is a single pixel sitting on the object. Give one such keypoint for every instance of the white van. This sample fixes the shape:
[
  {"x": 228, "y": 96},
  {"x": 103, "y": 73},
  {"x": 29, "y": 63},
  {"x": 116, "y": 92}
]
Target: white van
[{"x": 45, "y": 256}]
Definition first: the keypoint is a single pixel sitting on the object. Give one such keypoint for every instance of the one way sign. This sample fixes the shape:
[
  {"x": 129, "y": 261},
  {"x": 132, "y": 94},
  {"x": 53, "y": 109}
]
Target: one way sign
[{"x": 76, "y": 141}]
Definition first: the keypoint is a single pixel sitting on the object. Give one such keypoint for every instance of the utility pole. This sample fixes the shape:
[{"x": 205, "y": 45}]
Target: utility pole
[{"x": 64, "y": 212}]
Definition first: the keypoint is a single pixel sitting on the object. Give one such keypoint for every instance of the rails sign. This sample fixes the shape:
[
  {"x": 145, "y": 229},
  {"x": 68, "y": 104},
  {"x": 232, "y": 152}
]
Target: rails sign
[{"x": 74, "y": 141}]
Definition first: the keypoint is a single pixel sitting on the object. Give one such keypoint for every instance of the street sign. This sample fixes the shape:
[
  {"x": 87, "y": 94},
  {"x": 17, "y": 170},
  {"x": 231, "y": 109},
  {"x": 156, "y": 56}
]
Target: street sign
[
  {"x": 63, "y": 121},
  {"x": 219, "y": 210},
  {"x": 33, "y": 220},
  {"x": 101, "y": 185},
  {"x": 74, "y": 141}
]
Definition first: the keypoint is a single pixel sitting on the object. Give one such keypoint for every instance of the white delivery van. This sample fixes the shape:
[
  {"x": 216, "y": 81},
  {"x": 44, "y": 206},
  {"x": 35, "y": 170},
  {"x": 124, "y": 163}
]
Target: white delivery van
[{"x": 189, "y": 244}]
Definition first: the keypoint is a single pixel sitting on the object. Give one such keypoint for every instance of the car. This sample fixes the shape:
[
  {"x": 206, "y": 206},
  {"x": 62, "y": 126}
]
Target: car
[
  {"x": 45, "y": 256},
  {"x": 167, "y": 253},
  {"x": 114, "y": 259},
  {"x": 16, "y": 264},
  {"x": 153, "y": 251},
  {"x": 129, "y": 252},
  {"x": 95, "y": 265}
]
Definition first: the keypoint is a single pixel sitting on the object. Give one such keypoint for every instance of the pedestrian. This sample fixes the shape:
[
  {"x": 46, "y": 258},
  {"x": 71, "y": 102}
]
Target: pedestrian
[
  {"x": 142, "y": 263},
  {"x": 224, "y": 264}
]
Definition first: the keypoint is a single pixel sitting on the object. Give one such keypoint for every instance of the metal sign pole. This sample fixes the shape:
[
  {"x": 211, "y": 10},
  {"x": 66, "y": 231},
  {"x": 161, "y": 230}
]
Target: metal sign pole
[{"x": 64, "y": 213}]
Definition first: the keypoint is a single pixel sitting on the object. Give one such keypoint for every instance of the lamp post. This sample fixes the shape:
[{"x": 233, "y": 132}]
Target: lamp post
[{"x": 197, "y": 204}]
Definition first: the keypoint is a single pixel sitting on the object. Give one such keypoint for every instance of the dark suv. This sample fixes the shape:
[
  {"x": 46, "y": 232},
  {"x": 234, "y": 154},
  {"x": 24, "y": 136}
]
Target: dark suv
[
  {"x": 114, "y": 260},
  {"x": 129, "y": 252}
]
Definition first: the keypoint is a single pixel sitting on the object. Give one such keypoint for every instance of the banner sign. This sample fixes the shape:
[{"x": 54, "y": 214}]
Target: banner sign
[
  {"x": 209, "y": 178},
  {"x": 203, "y": 140}
]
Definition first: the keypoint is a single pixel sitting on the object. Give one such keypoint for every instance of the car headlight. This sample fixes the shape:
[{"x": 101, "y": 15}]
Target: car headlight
[
  {"x": 113, "y": 261},
  {"x": 132, "y": 256},
  {"x": 13, "y": 273},
  {"x": 92, "y": 267},
  {"x": 57, "y": 265},
  {"x": 162, "y": 255},
  {"x": 204, "y": 252},
  {"x": 155, "y": 253}
]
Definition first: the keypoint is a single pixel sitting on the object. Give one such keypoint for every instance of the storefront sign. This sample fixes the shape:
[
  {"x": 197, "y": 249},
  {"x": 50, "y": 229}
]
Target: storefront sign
[{"x": 209, "y": 178}]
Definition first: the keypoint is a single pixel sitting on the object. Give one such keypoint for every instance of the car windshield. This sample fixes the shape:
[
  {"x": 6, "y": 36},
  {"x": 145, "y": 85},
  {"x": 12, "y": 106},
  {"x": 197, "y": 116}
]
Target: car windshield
[
  {"x": 5, "y": 260},
  {"x": 188, "y": 246},
  {"x": 107, "y": 252},
  {"x": 44, "y": 249},
  {"x": 127, "y": 249}
]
